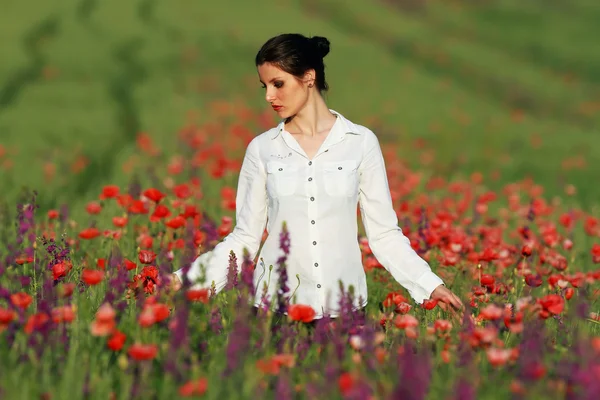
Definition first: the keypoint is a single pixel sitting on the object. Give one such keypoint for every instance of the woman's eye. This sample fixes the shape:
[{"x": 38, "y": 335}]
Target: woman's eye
[
  {"x": 263, "y": 86},
  {"x": 278, "y": 84}
]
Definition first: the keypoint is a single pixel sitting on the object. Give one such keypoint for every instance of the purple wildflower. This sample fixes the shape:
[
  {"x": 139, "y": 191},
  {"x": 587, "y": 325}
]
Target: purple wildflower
[
  {"x": 531, "y": 350},
  {"x": 215, "y": 320},
  {"x": 414, "y": 367},
  {"x": 283, "y": 389},
  {"x": 282, "y": 282},
  {"x": 179, "y": 339},
  {"x": 238, "y": 343},
  {"x": 232, "y": 272},
  {"x": 247, "y": 275}
]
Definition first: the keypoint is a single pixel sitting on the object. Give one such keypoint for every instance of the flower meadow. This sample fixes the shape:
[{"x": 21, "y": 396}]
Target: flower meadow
[{"x": 87, "y": 309}]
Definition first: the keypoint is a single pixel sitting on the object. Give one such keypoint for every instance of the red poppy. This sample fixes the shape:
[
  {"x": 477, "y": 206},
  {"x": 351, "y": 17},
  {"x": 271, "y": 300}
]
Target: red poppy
[
  {"x": 53, "y": 214},
  {"x": 199, "y": 238},
  {"x": 533, "y": 280},
  {"x": 487, "y": 280},
  {"x": 66, "y": 289},
  {"x": 569, "y": 292},
  {"x": 92, "y": 276},
  {"x": 146, "y": 241},
  {"x": 21, "y": 300},
  {"x": 89, "y": 233},
  {"x": 301, "y": 312},
  {"x": 63, "y": 314},
  {"x": 105, "y": 313},
  {"x": 109, "y": 191},
  {"x": 146, "y": 256},
  {"x": 176, "y": 223},
  {"x": 200, "y": 295},
  {"x": 393, "y": 298},
  {"x": 102, "y": 328},
  {"x": 116, "y": 341},
  {"x": 129, "y": 265},
  {"x": 175, "y": 167},
  {"x": 182, "y": 191},
  {"x": 491, "y": 312},
  {"x": 124, "y": 200},
  {"x": 402, "y": 308},
  {"x": 442, "y": 325},
  {"x": 190, "y": 211},
  {"x": 6, "y": 316},
  {"x": 405, "y": 321},
  {"x": 154, "y": 195},
  {"x": 119, "y": 222},
  {"x": 429, "y": 304},
  {"x": 24, "y": 260},
  {"x": 138, "y": 207},
  {"x": 551, "y": 304},
  {"x": 35, "y": 322},
  {"x": 150, "y": 272},
  {"x": 346, "y": 382},
  {"x": 93, "y": 207},
  {"x": 194, "y": 388},
  {"x": 146, "y": 318},
  {"x": 160, "y": 311},
  {"x": 595, "y": 253},
  {"x": 161, "y": 211},
  {"x": 141, "y": 352},
  {"x": 225, "y": 227},
  {"x": 59, "y": 270},
  {"x": 498, "y": 357},
  {"x": 176, "y": 244}
]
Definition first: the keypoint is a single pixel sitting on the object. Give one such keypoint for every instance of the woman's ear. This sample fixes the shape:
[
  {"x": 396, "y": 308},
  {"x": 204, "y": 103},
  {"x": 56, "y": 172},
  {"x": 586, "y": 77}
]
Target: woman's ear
[{"x": 310, "y": 77}]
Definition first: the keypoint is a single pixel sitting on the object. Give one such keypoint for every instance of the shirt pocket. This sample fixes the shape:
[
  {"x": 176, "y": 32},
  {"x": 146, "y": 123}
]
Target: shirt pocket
[
  {"x": 341, "y": 178},
  {"x": 282, "y": 178}
]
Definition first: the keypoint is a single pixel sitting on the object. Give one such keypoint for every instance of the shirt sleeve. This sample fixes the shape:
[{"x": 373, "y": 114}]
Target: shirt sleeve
[
  {"x": 389, "y": 245},
  {"x": 251, "y": 218}
]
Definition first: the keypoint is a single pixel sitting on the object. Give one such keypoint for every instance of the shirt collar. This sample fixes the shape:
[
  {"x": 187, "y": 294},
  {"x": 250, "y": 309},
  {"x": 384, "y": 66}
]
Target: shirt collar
[{"x": 346, "y": 126}]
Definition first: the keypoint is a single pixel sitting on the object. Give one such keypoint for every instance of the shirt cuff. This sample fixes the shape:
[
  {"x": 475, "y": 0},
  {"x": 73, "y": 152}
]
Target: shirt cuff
[{"x": 426, "y": 284}]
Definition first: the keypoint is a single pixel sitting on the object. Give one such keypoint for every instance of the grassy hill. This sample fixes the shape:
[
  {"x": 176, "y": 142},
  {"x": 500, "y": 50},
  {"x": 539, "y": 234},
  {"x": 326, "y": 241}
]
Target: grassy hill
[{"x": 499, "y": 87}]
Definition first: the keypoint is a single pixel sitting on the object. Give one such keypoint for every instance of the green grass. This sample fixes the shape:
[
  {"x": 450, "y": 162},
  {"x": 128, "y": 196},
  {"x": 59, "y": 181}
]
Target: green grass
[{"x": 452, "y": 74}]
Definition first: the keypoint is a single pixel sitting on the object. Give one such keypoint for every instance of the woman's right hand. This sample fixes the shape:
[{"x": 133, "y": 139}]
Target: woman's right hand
[{"x": 175, "y": 282}]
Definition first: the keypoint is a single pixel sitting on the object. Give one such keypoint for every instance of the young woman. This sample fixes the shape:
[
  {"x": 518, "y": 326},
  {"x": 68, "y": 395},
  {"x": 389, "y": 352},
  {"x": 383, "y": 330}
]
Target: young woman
[{"x": 311, "y": 171}]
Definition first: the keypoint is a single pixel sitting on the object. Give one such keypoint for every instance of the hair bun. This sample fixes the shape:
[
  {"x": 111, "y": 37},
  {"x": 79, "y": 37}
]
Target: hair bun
[{"x": 321, "y": 45}]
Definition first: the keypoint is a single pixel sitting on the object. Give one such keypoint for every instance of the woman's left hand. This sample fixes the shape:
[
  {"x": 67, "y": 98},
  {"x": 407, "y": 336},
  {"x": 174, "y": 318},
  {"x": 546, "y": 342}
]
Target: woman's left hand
[{"x": 447, "y": 300}]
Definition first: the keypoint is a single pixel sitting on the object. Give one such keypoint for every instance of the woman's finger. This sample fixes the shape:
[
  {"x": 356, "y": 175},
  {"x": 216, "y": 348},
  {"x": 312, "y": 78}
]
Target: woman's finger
[{"x": 456, "y": 302}]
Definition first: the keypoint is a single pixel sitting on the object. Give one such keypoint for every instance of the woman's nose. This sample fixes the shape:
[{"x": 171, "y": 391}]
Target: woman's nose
[{"x": 269, "y": 96}]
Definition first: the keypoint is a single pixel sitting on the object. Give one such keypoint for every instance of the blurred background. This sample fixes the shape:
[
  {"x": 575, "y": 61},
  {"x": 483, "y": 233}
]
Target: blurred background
[{"x": 509, "y": 89}]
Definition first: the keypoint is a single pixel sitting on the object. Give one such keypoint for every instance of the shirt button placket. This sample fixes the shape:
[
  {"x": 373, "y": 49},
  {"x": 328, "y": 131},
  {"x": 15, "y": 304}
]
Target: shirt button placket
[{"x": 313, "y": 227}]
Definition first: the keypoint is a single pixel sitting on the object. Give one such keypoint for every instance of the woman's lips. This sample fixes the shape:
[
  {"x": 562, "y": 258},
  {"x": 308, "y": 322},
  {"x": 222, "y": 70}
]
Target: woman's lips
[{"x": 277, "y": 108}]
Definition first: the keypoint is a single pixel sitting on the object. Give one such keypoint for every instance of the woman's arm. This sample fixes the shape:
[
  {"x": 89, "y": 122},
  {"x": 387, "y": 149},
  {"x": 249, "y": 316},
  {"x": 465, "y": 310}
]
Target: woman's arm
[
  {"x": 389, "y": 245},
  {"x": 251, "y": 217}
]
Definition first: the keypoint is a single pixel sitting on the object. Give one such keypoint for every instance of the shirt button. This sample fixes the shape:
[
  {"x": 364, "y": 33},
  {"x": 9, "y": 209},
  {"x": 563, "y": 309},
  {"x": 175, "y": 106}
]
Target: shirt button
[
  {"x": 314, "y": 243},
  {"x": 312, "y": 199},
  {"x": 316, "y": 264},
  {"x": 281, "y": 169},
  {"x": 312, "y": 222},
  {"x": 309, "y": 179},
  {"x": 319, "y": 285},
  {"x": 310, "y": 163},
  {"x": 339, "y": 167}
]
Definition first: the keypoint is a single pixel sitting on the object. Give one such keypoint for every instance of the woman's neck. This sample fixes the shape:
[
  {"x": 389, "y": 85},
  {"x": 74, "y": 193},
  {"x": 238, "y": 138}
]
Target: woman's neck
[{"x": 313, "y": 119}]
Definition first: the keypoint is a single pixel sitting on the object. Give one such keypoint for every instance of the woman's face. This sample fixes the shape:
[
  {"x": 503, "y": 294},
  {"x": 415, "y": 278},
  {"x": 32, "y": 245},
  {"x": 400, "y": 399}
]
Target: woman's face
[{"x": 286, "y": 93}]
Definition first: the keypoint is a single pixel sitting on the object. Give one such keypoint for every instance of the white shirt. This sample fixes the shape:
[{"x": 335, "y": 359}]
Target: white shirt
[{"x": 318, "y": 200}]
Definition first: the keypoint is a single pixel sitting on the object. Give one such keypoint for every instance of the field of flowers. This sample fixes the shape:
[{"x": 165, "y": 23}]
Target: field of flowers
[{"x": 127, "y": 170}]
